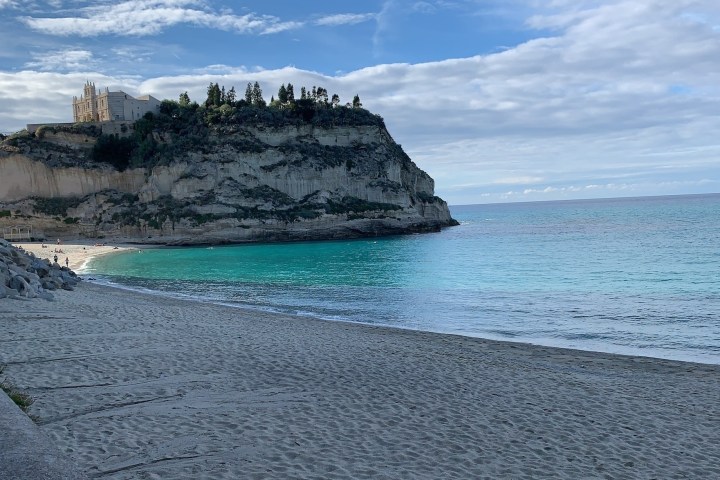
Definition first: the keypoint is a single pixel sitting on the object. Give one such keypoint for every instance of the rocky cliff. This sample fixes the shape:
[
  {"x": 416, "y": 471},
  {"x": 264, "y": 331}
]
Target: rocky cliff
[{"x": 196, "y": 176}]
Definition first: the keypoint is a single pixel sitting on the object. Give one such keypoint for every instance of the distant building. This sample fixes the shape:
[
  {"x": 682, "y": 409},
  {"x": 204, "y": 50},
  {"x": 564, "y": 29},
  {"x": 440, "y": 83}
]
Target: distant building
[
  {"x": 106, "y": 106},
  {"x": 18, "y": 232}
]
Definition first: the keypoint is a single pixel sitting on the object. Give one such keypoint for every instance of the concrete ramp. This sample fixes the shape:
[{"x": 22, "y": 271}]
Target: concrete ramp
[{"x": 26, "y": 453}]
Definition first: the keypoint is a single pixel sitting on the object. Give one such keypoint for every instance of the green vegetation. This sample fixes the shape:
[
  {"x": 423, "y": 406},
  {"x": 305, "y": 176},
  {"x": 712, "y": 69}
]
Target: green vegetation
[
  {"x": 56, "y": 206},
  {"x": 21, "y": 399},
  {"x": 17, "y": 139},
  {"x": 356, "y": 205},
  {"x": 185, "y": 125},
  {"x": 5, "y": 213},
  {"x": 113, "y": 150},
  {"x": 90, "y": 130}
]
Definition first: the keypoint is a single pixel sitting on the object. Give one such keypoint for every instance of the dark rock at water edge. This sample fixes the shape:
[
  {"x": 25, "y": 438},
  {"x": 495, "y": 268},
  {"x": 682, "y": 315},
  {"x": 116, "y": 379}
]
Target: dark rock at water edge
[{"x": 24, "y": 276}]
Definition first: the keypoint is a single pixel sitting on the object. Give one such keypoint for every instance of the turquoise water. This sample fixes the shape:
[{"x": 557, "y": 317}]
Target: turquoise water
[{"x": 637, "y": 275}]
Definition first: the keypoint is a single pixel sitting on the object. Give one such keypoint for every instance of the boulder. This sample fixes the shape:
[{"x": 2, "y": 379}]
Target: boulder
[
  {"x": 22, "y": 286},
  {"x": 41, "y": 268},
  {"x": 50, "y": 284},
  {"x": 22, "y": 275}
]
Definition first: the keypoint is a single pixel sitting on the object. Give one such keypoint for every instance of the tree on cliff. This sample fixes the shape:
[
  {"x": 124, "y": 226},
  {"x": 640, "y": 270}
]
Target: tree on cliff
[
  {"x": 184, "y": 99},
  {"x": 257, "y": 96},
  {"x": 231, "y": 96},
  {"x": 356, "y": 102},
  {"x": 321, "y": 95},
  {"x": 290, "y": 93},
  {"x": 282, "y": 94},
  {"x": 113, "y": 150},
  {"x": 214, "y": 95},
  {"x": 249, "y": 94}
]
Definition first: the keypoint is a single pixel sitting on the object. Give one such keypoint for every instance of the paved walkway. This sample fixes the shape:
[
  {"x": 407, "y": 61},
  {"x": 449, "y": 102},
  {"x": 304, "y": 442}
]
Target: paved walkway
[{"x": 27, "y": 454}]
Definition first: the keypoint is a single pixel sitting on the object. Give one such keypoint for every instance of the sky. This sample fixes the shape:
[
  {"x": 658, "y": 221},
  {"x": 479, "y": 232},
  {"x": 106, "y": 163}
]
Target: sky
[{"x": 498, "y": 100}]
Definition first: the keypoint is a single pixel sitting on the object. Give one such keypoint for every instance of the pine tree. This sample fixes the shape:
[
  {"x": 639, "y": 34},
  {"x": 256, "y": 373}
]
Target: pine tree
[
  {"x": 257, "y": 97},
  {"x": 356, "y": 102},
  {"x": 216, "y": 95},
  {"x": 184, "y": 99},
  {"x": 290, "y": 93},
  {"x": 303, "y": 93},
  {"x": 210, "y": 95},
  {"x": 249, "y": 94},
  {"x": 282, "y": 94},
  {"x": 231, "y": 96}
]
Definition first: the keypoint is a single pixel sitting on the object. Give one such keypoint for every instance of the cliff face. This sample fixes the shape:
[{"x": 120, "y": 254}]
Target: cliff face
[{"x": 241, "y": 183}]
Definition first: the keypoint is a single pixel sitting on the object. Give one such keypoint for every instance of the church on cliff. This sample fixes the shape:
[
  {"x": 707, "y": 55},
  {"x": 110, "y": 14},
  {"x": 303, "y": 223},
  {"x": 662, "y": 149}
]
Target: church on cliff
[{"x": 107, "y": 105}]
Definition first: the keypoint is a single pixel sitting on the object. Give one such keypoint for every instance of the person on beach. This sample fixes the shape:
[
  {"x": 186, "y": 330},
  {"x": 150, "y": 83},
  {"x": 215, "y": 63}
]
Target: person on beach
[
  {"x": 67, "y": 262},
  {"x": 55, "y": 258}
]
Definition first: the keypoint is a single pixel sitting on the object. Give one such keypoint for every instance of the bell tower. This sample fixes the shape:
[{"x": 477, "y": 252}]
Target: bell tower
[{"x": 85, "y": 108}]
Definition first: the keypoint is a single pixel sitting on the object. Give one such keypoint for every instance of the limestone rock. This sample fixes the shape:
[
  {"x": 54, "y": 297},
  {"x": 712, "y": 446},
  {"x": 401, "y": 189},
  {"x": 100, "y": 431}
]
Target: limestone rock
[{"x": 241, "y": 182}]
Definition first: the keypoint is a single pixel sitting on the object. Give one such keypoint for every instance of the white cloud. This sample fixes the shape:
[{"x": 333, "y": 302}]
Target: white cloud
[
  {"x": 623, "y": 98},
  {"x": 383, "y": 24},
  {"x": 423, "y": 7},
  {"x": 520, "y": 180},
  {"x": 62, "y": 60},
  {"x": 344, "y": 19},
  {"x": 150, "y": 17}
]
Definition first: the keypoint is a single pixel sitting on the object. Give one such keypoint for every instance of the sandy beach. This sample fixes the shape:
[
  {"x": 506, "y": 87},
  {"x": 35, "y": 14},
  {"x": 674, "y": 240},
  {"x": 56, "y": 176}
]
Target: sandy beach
[
  {"x": 76, "y": 253},
  {"x": 136, "y": 386}
]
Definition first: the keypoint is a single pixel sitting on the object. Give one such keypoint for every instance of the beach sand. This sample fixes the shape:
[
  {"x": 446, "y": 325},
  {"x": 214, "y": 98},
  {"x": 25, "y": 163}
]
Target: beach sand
[
  {"x": 133, "y": 386},
  {"x": 76, "y": 253}
]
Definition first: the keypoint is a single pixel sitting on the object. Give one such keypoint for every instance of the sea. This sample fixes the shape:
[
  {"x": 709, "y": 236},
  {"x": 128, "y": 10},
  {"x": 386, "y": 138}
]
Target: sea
[{"x": 637, "y": 276}]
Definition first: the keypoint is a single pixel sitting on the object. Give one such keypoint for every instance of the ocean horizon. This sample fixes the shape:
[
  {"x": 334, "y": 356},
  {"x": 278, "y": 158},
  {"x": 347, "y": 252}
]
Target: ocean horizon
[{"x": 637, "y": 276}]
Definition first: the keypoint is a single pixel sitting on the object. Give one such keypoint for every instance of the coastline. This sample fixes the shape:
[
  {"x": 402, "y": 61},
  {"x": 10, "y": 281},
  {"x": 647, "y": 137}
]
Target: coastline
[
  {"x": 131, "y": 384},
  {"x": 77, "y": 252}
]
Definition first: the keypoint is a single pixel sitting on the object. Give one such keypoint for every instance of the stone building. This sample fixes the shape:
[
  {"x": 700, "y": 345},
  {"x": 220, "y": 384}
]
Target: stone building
[{"x": 107, "y": 105}]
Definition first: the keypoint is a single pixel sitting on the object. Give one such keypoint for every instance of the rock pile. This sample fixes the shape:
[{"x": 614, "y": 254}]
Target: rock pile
[{"x": 23, "y": 275}]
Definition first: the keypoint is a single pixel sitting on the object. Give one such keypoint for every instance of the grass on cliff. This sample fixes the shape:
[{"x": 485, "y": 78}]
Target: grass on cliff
[{"x": 21, "y": 399}]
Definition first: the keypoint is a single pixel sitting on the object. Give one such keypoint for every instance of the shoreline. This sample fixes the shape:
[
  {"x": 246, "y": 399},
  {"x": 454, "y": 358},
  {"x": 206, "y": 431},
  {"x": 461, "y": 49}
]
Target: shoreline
[
  {"x": 521, "y": 341},
  {"x": 132, "y": 384},
  {"x": 81, "y": 252},
  {"x": 77, "y": 252}
]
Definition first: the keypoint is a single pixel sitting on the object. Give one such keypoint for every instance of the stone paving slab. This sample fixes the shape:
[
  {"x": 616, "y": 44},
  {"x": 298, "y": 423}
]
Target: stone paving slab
[{"x": 26, "y": 453}]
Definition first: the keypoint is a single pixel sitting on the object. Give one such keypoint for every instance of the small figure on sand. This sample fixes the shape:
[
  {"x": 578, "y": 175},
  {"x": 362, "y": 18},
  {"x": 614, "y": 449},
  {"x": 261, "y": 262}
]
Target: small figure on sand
[
  {"x": 58, "y": 242},
  {"x": 55, "y": 258},
  {"x": 67, "y": 262}
]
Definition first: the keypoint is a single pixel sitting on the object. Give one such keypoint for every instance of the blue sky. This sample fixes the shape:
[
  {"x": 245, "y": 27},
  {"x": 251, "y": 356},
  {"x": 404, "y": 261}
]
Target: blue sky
[{"x": 515, "y": 100}]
